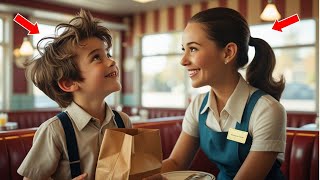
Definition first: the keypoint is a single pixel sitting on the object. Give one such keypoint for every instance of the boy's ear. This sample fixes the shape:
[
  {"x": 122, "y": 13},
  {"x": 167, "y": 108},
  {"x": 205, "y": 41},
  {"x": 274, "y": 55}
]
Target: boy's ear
[
  {"x": 68, "y": 85},
  {"x": 230, "y": 52}
]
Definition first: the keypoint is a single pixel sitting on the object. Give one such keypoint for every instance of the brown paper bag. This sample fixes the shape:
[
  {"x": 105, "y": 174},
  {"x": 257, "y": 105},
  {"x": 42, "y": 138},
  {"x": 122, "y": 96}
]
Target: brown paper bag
[{"x": 129, "y": 154}]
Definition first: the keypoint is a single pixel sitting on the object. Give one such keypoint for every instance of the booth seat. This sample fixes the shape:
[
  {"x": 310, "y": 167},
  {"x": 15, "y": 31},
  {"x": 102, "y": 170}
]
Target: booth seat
[
  {"x": 298, "y": 119},
  {"x": 301, "y": 158},
  {"x": 33, "y": 118}
]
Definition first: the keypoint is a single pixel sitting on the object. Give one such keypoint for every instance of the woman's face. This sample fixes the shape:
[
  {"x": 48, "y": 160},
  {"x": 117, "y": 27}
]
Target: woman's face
[{"x": 203, "y": 59}]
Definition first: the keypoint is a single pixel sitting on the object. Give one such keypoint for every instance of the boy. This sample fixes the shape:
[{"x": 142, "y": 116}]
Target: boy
[{"x": 75, "y": 70}]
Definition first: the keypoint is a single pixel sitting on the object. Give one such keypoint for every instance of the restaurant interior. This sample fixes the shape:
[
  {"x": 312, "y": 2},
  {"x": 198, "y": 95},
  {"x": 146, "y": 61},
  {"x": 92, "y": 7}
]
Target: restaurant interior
[{"x": 156, "y": 89}]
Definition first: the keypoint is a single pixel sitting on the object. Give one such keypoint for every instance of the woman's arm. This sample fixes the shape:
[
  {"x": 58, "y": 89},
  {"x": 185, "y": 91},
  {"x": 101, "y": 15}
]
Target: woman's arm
[
  {"x": 182, "y": 153},
  {"x": 257, "y": 165}
]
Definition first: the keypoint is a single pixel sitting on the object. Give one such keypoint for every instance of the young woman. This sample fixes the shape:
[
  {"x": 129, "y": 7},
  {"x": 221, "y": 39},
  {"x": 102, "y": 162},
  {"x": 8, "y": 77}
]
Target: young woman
[{"x": 239, "y": 123}]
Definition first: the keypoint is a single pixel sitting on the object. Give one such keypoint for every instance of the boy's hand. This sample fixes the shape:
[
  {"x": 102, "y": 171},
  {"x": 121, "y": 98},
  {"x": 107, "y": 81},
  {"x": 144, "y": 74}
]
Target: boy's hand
[
  {"x": 81, "y": 177},
  {"x": 155, "y": 177}
]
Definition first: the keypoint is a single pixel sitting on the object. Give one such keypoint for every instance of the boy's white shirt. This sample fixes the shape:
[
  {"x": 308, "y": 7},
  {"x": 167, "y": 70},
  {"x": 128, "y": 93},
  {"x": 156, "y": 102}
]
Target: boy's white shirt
[{"x": 48, "y": 154}]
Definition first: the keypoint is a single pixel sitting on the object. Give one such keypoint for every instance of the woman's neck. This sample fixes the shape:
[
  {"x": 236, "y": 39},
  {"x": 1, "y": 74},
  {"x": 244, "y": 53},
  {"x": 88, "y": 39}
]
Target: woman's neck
[{"x": 224, "y": 89}]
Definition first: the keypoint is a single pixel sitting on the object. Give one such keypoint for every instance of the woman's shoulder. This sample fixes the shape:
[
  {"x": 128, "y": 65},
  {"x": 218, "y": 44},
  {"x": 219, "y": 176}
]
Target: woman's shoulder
[{"x": 268, "y": 105}]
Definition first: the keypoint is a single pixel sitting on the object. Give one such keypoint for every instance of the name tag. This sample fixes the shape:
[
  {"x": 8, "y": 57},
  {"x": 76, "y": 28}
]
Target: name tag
[{"x": 237, "y": 135}]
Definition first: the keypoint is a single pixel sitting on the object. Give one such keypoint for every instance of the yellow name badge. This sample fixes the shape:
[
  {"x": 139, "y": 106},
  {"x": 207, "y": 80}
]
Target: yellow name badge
[{"x": 237, "y": 135}]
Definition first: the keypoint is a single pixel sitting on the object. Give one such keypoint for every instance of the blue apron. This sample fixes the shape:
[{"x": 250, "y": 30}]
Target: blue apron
[{"x": 226, "y": 154}]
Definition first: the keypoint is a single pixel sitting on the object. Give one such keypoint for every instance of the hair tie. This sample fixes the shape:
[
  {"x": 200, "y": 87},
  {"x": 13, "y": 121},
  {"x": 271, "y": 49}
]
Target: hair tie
[{"x": 251, "y": 39}]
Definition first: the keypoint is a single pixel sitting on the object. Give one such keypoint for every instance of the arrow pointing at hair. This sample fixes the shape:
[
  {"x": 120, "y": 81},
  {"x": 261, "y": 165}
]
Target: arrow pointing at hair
[
  {"x": 25, "y": 23},
  {"x": 278, "y": 25}
]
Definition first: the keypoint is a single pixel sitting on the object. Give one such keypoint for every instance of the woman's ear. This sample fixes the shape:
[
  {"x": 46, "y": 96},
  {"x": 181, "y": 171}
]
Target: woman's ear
[
  {"x": 230, "y": 50},
  {"x": 68, "y": 85}
]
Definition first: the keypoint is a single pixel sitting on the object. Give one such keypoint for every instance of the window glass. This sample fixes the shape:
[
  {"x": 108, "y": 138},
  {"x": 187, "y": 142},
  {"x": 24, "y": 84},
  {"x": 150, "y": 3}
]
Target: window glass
[
  {"x": 295, "y": 53},
  {"x": 41, "y": 100},
  {"x": 1, "y": 30},
  {"x": 298, "y": 67},
  {"x": 296, "y": 34},
  {"x": 161, "y": 44},
  {"x": 163, "y": 82},
  {"x": 2, "y": 82},
  {"x": 1, "y": 78}
]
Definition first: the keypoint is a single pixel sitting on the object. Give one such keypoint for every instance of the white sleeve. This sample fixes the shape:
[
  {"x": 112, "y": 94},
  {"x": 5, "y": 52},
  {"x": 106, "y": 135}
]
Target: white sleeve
[
  {"x": 190, "y": 120},
  {"x": 269, "y": 126}
]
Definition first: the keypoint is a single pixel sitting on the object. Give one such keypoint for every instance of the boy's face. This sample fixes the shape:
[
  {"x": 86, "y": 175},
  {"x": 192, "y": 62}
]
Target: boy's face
[{"x": 99, "y": 70}]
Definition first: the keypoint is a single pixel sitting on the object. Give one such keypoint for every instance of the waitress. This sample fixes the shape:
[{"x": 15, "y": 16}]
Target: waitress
[{"x": 239, "y": 123}]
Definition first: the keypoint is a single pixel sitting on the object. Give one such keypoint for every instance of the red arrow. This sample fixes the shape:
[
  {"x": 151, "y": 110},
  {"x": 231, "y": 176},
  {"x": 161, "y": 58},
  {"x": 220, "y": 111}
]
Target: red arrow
[
  {"x": 25, "y": 23},
  {"x": 278, "y": 25}
]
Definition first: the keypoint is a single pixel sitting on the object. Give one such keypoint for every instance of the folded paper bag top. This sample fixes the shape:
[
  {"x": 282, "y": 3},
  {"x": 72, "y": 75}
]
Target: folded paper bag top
[{"x": 129, "y": 154}]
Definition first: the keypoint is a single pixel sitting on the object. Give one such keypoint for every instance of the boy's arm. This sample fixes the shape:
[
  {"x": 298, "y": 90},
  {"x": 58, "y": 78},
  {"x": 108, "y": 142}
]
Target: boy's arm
[{"x": 45, "y": 142}]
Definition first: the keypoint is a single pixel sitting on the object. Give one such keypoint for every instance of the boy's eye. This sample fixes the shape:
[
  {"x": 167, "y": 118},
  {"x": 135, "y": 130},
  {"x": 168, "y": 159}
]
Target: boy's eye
[{"x": 96, "y": 57}]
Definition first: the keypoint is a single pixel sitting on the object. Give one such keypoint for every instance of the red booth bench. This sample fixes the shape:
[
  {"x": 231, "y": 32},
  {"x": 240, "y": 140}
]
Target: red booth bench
[
  {"x": 301, "y": 158},
  {"x": 33, "y": 118}
]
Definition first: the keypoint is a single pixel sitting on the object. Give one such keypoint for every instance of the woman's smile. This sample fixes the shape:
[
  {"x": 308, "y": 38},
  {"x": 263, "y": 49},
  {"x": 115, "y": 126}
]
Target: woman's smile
[{"x": 193, "y": 72}]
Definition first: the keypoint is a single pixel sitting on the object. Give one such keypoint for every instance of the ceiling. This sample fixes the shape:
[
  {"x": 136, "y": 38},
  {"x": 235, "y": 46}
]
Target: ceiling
[{"x": 120, "y": 7}]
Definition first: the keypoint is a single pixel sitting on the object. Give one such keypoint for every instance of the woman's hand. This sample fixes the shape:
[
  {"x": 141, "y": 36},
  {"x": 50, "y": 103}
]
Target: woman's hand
[
  {"x": 81, "y": 177},
  {"x": 155, "y": 177}
]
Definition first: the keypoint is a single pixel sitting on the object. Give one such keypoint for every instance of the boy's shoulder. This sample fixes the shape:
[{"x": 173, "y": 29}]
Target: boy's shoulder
[
  {"x": 126, "y": 119},
  {"x": 49, "y": 124}
]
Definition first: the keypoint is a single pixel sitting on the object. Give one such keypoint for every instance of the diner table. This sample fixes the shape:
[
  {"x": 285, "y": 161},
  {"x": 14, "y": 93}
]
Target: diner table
[{"x": 9, "y": 126}]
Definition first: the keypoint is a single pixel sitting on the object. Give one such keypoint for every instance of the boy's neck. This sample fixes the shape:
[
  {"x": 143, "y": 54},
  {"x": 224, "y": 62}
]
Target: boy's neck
[{"x": 97, "y": 110}]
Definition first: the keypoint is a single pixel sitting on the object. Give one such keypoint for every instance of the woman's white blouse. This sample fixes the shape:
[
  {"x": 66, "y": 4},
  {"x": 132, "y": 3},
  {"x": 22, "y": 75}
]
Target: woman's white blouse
[{"x": 267, "y": 124}]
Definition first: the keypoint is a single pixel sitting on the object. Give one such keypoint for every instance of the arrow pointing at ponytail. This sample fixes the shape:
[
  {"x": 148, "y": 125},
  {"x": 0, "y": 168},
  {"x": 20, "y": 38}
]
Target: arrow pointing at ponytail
[
  {"x": 25, "y": 23},
  {"x": 278, "y": 25}
]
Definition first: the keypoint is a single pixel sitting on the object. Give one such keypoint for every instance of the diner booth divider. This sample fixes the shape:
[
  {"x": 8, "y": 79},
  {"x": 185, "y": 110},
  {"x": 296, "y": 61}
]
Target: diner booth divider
[{"x": 33, "y": 118}]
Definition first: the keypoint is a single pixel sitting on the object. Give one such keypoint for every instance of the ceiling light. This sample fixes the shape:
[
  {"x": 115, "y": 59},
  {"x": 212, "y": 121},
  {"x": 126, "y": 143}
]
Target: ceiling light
[
  {"x": 270, "y": 12},
  {"x": 143, "y": 1}
]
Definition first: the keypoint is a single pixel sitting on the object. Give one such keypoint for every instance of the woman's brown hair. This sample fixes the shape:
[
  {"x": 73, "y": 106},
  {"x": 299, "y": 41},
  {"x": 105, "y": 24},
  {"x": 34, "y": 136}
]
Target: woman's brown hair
[
  {"x": 57, "y": 61},
  {"x": 224, "y": 25}
]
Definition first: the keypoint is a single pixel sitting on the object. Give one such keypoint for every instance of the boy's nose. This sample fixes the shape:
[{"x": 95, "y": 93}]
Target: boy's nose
[{"x": 110, "y": 62}]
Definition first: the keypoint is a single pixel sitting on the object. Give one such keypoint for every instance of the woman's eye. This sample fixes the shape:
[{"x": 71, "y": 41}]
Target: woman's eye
[{"x": 192, "y": 49}]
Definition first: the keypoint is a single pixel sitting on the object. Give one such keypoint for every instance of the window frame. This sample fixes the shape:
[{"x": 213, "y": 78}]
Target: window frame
[{"x": 7, "y": 44}]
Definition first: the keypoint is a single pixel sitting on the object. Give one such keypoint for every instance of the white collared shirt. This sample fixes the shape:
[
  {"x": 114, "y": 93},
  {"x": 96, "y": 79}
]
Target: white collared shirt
[
  {"x": 48, "y": 155},
  {"x": 267, "y": 125}
]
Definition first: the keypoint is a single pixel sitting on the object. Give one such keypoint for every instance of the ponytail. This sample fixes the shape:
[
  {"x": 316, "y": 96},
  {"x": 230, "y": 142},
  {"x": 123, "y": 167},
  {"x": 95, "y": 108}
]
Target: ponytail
[{"x": 259, "y": 72}]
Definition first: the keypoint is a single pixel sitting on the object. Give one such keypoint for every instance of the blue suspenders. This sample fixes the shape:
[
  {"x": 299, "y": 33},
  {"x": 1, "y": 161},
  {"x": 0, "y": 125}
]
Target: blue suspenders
[{"x": 71, "y": 141}]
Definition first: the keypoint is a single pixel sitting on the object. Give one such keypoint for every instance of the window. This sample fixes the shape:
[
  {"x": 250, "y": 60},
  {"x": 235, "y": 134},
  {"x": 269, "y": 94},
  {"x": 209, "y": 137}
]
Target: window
[
  {"x": 295, "y": 51},
  {"x": 40, "y": 99},
  {"x": 163, "y": 78},
  {"x": 5, "y": 60},
  {"x": 1, "y": 63}
]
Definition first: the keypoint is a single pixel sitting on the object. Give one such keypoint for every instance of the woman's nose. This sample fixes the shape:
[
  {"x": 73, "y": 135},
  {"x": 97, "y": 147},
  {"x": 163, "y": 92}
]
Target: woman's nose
[{"x": 184, "y": 61}]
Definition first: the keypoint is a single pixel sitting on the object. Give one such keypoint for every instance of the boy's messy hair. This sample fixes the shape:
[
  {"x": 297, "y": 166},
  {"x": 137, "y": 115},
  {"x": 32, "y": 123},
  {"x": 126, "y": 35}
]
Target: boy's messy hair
[{"x": 57, "y": 61}]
